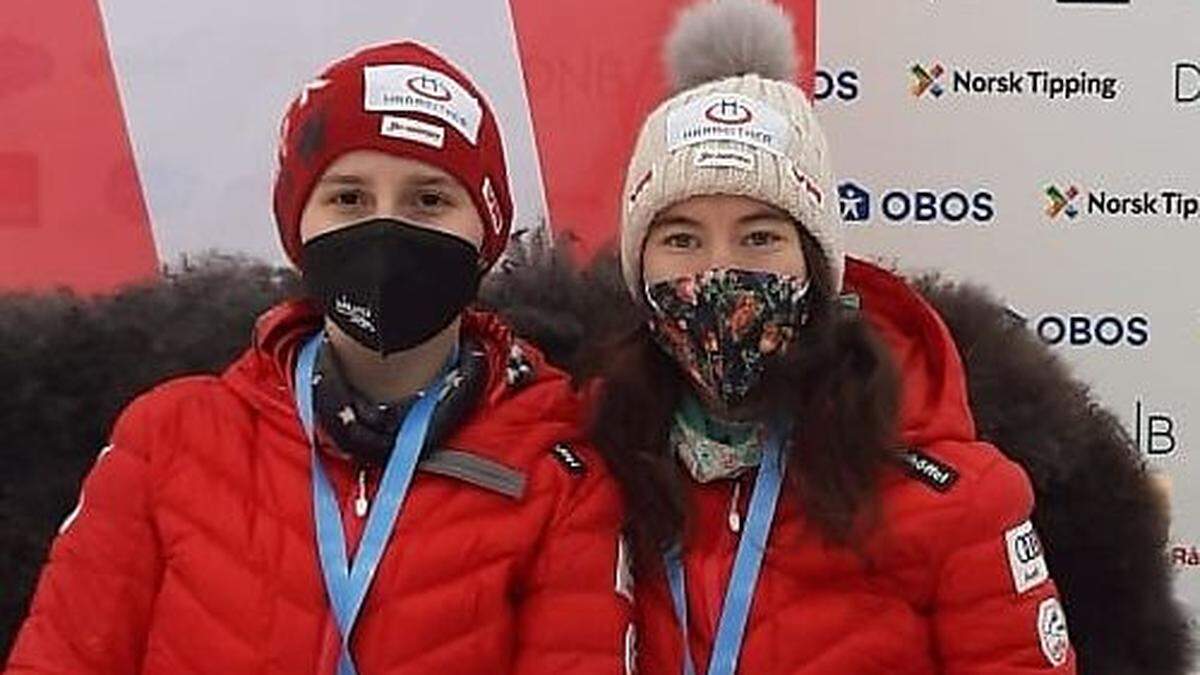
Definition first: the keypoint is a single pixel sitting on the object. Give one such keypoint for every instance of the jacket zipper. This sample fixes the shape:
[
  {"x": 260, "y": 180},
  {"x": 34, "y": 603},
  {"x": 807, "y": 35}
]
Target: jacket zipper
[
  {"x": 735, "y": 513},
  {"x": 361, "y": 503}
]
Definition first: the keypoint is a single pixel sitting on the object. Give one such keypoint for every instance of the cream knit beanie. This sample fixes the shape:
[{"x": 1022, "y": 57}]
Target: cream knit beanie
[{"x": 738, "y": 126}]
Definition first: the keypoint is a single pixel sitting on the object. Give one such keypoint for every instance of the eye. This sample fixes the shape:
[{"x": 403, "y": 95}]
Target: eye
[
  {"x": 348, "y": 199},
  {"x": 681, "y": 240},
  {"x": 761, "y": 238},
  {"x": 432, "y": 200}
]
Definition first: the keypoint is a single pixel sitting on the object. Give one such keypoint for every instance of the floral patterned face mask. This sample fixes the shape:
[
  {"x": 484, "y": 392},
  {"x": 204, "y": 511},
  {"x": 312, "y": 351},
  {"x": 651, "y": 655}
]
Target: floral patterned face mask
[{"x": 721, "y": 325}]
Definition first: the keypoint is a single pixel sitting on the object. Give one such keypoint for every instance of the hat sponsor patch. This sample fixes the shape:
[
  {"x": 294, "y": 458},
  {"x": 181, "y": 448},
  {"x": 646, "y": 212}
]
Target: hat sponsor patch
[
  {"x": 410, "y": 88},
  {"x": 1025, "y": 557},
  {"x": 1052, "y": 632},
  {"x": 728, "y": 117},
  {"x": 416, "y": 131},
  {"x": 725, "y": 159}
]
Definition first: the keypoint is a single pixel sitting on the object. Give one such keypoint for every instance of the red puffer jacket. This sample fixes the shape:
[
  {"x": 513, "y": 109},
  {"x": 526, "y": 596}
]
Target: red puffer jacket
[
  {"x": 958, "y": 583},
  {"x": 193, "y": 549}
]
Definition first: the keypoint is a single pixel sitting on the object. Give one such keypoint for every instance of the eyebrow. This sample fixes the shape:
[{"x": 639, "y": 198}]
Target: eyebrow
[
  {"x": 432, "y": 180},
  {"x": 342, "y": 179},
  {"x": 673, "y": 220},
  {"x": 763, "y": 214},
  {"x": 421, "y": 180}
]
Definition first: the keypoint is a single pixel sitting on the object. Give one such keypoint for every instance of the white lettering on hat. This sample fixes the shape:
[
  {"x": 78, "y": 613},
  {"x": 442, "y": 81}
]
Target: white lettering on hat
[
  {"x": 1025, "y": 557},
  {"x": 417, "y": 131},
  {"x": 409, "y": 88},
  {"x": 728, "y": 117},
  {"x": 493, "y": 206}
]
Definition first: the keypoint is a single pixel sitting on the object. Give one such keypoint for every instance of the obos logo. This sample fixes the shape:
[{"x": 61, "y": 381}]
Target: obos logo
[
  {"x": 1086, "y": 330},
  {"x": 1187, "y": 82},
  {"x": 937, "y": 80},
  {"x": 429, "y": 87},
  {"x": 728, "y": 112},
  {"x": 843, "y": 85},
  {"x": 1073, "y": 201},
  {"x": 921, "y": 206}
]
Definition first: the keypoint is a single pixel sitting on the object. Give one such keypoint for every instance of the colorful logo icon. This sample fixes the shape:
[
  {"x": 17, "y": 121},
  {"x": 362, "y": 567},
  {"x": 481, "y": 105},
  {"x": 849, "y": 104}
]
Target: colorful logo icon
[
  {"x": 1062, "y": 201},
  {"x": 927, "y": 81}
]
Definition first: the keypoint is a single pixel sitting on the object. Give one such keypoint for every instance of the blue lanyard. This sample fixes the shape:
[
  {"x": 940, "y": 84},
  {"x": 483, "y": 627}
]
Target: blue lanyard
[
  {"x": 347, "y": 584},
  {"x": 735, "y": 612}
]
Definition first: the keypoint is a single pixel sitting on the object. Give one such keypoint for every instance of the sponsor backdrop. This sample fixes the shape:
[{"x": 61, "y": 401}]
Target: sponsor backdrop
[
  {"x": 1051, "y": 151},
  {"x": 1046, "y": 148}
]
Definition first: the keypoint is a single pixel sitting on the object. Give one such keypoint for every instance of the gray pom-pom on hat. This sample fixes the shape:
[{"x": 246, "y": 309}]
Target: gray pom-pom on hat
[{"x": 727, "y": 38}]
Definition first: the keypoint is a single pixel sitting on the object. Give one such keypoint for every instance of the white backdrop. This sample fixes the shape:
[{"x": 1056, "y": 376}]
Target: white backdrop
[{"x": 1115, "y": 292}]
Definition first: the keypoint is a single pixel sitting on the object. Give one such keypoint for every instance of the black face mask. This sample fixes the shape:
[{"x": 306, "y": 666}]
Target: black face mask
[{"x": 390, "y": 284}]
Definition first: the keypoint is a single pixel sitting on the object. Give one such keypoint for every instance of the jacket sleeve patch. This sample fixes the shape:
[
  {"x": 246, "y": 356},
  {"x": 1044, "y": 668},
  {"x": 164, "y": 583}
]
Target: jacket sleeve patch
[
  {"x": 1025, "y": 557},
  {"x": 1052, "y": 632},
  {"x": 566, "y": 456},
  {"x": 934, "y": 473}
]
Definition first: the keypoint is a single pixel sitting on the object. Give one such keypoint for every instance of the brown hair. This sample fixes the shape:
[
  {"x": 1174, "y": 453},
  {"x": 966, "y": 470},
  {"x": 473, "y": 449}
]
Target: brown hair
[{"x": 837, "y": 382}]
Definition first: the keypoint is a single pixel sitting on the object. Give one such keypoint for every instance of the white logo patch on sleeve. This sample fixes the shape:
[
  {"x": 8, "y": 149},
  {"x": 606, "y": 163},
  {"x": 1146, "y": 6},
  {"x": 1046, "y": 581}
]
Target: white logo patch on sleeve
[
  {"x": 624, "y": 585},
  {"x": 1025, "y": 558},
  {"x": 1052, "y": 632},
  {"x": 409, "y": 88}
]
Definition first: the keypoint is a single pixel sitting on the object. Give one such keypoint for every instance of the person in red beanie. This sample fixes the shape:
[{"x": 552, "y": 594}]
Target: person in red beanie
[{"x": 387, "y": 481}]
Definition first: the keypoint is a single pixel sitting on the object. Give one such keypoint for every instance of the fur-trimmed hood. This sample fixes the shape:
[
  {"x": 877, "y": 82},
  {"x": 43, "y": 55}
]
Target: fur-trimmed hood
[{"x": 72, "y": 363}]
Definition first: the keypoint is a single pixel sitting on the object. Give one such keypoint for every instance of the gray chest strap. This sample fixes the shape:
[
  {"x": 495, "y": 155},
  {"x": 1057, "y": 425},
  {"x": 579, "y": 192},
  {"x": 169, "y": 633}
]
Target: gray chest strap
[{"x": 477, "y": 470}]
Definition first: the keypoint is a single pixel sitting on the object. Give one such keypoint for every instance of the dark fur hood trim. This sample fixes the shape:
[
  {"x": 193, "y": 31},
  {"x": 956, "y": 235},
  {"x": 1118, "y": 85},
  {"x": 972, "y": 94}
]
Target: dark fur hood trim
[{"x": 69, "y": 364}]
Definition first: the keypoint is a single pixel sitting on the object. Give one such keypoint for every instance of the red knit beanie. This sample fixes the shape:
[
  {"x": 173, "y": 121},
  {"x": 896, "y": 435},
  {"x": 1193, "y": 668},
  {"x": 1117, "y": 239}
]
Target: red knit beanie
[{"x": 405, "y": 100}]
